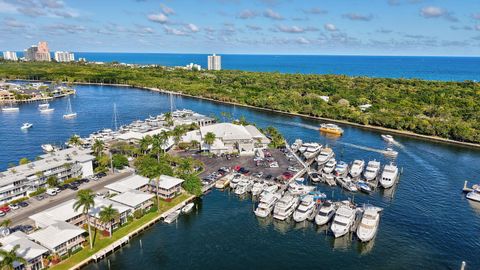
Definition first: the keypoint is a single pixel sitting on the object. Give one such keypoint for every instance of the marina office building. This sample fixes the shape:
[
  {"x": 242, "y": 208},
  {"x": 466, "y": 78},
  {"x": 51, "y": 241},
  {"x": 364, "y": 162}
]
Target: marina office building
[{"x": 18, "y": 181}]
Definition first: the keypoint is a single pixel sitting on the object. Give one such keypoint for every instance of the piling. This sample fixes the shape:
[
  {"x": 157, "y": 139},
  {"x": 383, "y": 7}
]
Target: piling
[{"x": 464, "y": 264}]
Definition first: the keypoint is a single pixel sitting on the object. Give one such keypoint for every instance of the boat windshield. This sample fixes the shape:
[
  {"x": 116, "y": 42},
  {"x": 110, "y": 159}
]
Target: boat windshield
[
  {"x": 339, "y": 223},
  {"x": 322, "y": 214}
]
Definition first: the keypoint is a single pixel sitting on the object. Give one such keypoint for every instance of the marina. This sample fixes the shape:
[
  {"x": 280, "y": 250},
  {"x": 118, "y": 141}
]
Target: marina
[{"x": 426, "y": 170}]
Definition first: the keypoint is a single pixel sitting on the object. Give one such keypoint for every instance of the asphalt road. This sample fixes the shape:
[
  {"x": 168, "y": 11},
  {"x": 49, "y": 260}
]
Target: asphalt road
[{"x": 20, "y": 216}]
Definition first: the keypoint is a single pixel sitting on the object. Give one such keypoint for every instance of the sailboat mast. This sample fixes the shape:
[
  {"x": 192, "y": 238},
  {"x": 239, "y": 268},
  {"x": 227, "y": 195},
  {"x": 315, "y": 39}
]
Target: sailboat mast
[
  {"x": 171, "y": 102},
  {"x": 115, "y": 116}
]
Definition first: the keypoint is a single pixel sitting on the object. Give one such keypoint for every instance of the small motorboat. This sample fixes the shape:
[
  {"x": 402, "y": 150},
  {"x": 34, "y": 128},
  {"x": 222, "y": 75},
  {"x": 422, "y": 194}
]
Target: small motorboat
[
  {"x": 347, "y": 183},
  {"x": 341, "y": 168},
  {"x": 314, "y": 177},
  {"x": 364, "y": 186},
  {"x": 46, "y": 110},
  {"x": 305, "y": 208},
  {"x": 43, "y": 106},
  {"x": 258, "y": 187},
  {"x": 331, "y": 129},
  {"x": 388, "y": 138},
  {"x": 357, "y": 168},
  {"x": 172, "y": 217},
  {"x": 48, "y": 147},
  {"x": 389, "y": 152},
  {"x": 473, "y": 195},
  {"x": 325, "y": 155},
  {"x": 26, "y": 126},
  {"x": 188, "y": 208}
]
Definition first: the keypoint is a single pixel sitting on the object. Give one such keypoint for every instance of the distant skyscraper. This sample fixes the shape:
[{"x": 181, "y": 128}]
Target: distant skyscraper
[
  {"x": 9, "y": 55},
  {"x": 214, "y": 62},
  {"x": 38, "y": 52},
  {"x": 64, "y": 56}
]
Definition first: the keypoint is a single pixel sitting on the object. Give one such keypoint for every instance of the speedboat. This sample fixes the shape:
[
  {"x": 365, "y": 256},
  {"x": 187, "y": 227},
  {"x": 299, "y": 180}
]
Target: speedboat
[
  {"x": 235, "y": 180},
  {"x": 312, "y": 150},
  {"x": 48, "y": 147},
  {"x": 357, "y": 168},
  {"x": 285, "y": 206},
  {"x": 388, "y": 138},
  {"x": 266, "y": 204},
  {"x": 43, "y": 106},
  {"x": 26, "y": 126},
  {"x": 47, "y": 110},
  {"x": 325, "y": 214},
  {"x": 364, "y": 186},
  {"x": 243, "y": 187},
  {"x": 389, "y": 175},
  {"x": 314, "y": 177},
  {"x": 389, "y": 152},
  {"x": 343, "y": 221},
  {"x": 473, "y": 195},
  {"x": 188, "y": 208},
  {"x": 172, "y": 216},
  {"x": 268, "y": 190},
  {"x": 369, "y": 223},
  {"x": 347, "y": 183},
  {"x": 341, "y": 168},
  {"x": 331, "y": 129},
  {"x": 372, "y": 170},
  {"x": 325, "y": 155},
  {"x": 330, "y": 166},
  {"x": 297, "y": 188},
  {"x": 296, "y": 145},
  {"x": 305, "y": 208},
  {"x": 329, "y": 179},
  {"x": 258, "y": 188}
]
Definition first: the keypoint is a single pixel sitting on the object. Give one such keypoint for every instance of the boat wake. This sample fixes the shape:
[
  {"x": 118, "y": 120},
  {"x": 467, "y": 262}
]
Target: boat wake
[
  {"x": 366, "y": 148},
  {"x": 302, "y": 125}
]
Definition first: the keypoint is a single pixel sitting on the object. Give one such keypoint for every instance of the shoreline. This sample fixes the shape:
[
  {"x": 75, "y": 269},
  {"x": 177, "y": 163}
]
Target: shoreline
[{"x": 344, "y": 122}]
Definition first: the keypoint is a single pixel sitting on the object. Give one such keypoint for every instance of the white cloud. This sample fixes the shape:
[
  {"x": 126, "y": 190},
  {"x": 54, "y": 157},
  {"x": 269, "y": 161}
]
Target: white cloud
[
  {"x": 174, "y": 31},
  {"x": 7, "y": 7},
  {"x": 358, "y": 17},
  {"x": 158, "y": 18},
  {"x": 315, "y": 11},
  {"x": 13, "y": 23},
  {"x": 167, "y": 10},
  {"x": 290, "y": 29},
  {"x": 192, "y": 27},
  {"x": 330, "y": 27},
  {"x": 437, "y": 12},
  {"x": 272, "y": 15},
  {"x": 247, "y": 14},
  {"x": 303, "y": 40}
]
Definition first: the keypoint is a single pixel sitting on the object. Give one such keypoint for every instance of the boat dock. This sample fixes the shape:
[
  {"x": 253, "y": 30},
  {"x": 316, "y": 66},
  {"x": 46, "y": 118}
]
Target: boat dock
[{"x": 467, "y": 189}]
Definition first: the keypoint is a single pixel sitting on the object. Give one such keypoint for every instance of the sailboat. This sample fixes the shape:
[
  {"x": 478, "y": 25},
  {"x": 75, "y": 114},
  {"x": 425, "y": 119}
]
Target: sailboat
[
  {"x": 70, "y": 114},
  {"x": 10, "y": 109}
]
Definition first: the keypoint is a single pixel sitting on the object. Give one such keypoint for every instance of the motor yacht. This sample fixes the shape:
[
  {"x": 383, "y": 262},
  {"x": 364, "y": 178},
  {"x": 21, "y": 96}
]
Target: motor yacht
[
  {"x": 389, "y": 152},
  {"x": 296, "y": 145},
  {"x": 388, "y": 138},
  {"x": 43, "y": 106},
  {"x": 341, "y": 168},
  {"x": 285, "y": 207},
  {"x": 312, "y": 150},
  {"x": 473, "y": 195},
  {"x": 297, "y": 188},
  {"x": 325, "y": 213},
  {"x": 235, "y": 180},
  {"x": 372, "y": 170},
  {"x": 325, "y": 155},
  {"x": 266, "y": 204},
  {"x": 10, "y": 108},
  {"x": 330, "y": 166},
  {"x": 268, "y": 190},
  {"x": 305, "y": 208},
  {"x": 347, "y": 183},
  {"x": 188, "y": 208},
  {"x": 343, "y": 220},
  {"x": 357, "y": 168},
  {"x": 26, "y": 126},
  {"x": 367, "y": 229},
  {"x": 314, "y": 177},
  {"x": 243, "y": 187},
  {"x": 258, "y": 187},
  {"x": 331, "y": 129},
  {"x": 329, "y": 179},
  {"x": 172, "y": 216},
  {"x": 389, "y": 175}
]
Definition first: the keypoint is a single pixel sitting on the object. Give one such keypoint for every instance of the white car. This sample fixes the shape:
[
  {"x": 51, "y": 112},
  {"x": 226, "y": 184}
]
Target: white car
[
  {"x": 14, "y": 206},
  {"x": 274, "y": 165},
  {"x": 52, "y": 191}
]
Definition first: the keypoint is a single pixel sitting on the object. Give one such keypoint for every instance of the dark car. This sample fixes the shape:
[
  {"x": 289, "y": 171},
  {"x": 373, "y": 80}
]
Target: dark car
[
  {"x": 268, "y": 177},
  {"x": 100, "y": 175},
  {"x": 23, "y": 204},
  {"x": 73, "y": 187},
  {"x": 84, "y": 180}
]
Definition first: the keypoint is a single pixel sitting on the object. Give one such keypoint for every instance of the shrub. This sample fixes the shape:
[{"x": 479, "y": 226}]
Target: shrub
[
  {"x": 37, "y": 192},
  {"x": 19, "y": 200},
  {"x": 138, "y": 214}
]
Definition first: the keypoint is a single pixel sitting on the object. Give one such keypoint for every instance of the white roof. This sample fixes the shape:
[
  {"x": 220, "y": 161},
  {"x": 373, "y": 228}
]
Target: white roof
[
  {"x": 102, "y": 202},
  {"x": 61, "y": 212},
  {"x": 227, "y": 131},
  {"x": 56, "y": 234},
  {"x": 131, "y": 182},
  {"x": 28, "y": 249},
  {"x": 132, "y": 198},
  {"x": 168, "y": 182}
]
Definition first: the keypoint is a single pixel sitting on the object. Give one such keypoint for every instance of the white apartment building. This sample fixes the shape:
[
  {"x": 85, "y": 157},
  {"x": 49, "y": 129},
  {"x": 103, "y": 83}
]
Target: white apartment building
[
  {"x": 18, "y": 181},
  {"x": 10, "y": 55},
  {"x": 214, "y": 62},
  {"x": 61, "y": 56}
]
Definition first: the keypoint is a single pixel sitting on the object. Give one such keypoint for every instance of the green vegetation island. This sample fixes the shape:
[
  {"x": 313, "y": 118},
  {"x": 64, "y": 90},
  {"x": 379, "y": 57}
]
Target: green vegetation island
[{"x": 448, "y": 110}]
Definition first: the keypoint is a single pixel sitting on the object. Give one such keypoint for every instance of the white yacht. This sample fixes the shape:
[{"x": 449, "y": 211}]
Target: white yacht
[
  {"x": 235, "y": 180},
  {"x": 43, "y": 106},
  {"x": 305, "y": 208},
  {"x": 285, "y": 206},
  {"x": 343, "y": 221},
  {"x": 188, "y": 208},
  {"x": 372, "y": 170},
  {"x": 312, "y": 150},
  {"x": 258, "y": 187},
  {"x": 10, "y": 108},
  {"x": 243, "y": 187},
  {"x": 329, "y": 179},
  {"x": 325, "y": 155},
  {"x": 268, "y": 190},
  {"x": 388, "y": 138},
  {"x": 347, "y": 183},
  {"x": 473, "y": 195},
  {"x": 266, "y": 204},
  {"x": 325, "y": 214},
  {"x": 48, "y": 147},
  {"x": 357, "y": 168},
  {"x": 296, "y": 188},
  {"x": 296, "y": 145},
  {"x": 330, "y": 166},
  {"x": 389, "y": 152},
  {"x": 314, "y": 177},
  {"x": 69, "y": 114},
  {"x": 172, "y": 216},
  {"x": 368, "y": 226},
  {"x": 47, "y": 110},
  {"x": 341, "y": 168},
  {"x": 389, "y": 175},
  {"x": 26, "y": 126}
]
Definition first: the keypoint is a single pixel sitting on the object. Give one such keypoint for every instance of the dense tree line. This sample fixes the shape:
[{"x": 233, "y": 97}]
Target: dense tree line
[{"x": 446, "y": 109}]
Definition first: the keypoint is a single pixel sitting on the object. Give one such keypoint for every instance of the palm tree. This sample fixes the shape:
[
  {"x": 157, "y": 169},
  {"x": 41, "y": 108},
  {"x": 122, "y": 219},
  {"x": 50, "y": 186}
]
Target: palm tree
[
  {"x": 10, "y": 257},
  {"x": 177, "y": 133},
  {"x": 209, "y": 138},
  {"x": 186, "y": 166},
  {"x": 85, "y": 200},
  {"x": 108, "y": 215},
  {"x": 169, "y": 119},
  {"x": 157, "y": 183},
  {"x": 75, "y": 140},
  {"x": 145, "y": 143},
  {"x": 194, "y": 144},
  {"x": 98, "y": 147},
  {"x": 6, "y": 223}
]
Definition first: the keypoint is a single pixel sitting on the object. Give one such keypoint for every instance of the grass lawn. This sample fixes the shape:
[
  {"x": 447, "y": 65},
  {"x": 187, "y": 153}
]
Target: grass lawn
[{"x": 102, "y": 242}]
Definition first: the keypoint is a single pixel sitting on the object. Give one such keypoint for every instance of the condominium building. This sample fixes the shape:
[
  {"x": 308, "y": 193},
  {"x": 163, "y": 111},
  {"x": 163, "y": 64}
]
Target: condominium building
[
  {"x": 59, "y": 237},
  {"x": 10, "y": 55},
  {"x": 29, "y": 250},
  {"x": 61, "y": 56},
  {"x": 38, "y": 52},
  {"x": 17, "y": 181},
  {"x": 214, "y": 62},
  {"x": 168, "y": 187}
]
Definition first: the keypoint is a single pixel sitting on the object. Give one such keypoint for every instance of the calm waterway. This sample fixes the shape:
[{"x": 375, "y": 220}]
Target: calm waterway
[{"x": 427, "y": 223}]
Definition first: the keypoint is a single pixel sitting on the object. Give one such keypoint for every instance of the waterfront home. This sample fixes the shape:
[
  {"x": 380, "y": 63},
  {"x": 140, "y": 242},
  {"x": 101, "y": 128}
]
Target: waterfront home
[
  {"x": 135, "y": 135},
  {"x": 123, "y": 213},
  {"x": 134, "y": 181},
  {"x": 28, "y": 249},
  {"x": 187, "y": 117},
  {"x": 18, "y": 181},
  {"x": 62, "y": 212},
  {"x": 229, "y": 138},
  {"x": 6, "y": 95},
  {"x": 168, "y": 187},
  {"x": 59, "y": 237},
  {"x": 136, "y": 199}
]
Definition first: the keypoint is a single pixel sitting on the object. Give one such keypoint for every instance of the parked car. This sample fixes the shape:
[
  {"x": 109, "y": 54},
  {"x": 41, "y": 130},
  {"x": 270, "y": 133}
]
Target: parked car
[
  {"x": 5, "y": 208},
  {"x": 14, "y": 206},
  {"x": 100, "y": 175},
  {"x": 52, "y": 191},
  {"x": 2, "y": 214},
  {"x": 73, "y": 187},
  {"x": 23, "y": 204},
  {"x": 268, "y": 177},
  {"x": 40, "y": 197},
  {"x": 287, "y": 175}
]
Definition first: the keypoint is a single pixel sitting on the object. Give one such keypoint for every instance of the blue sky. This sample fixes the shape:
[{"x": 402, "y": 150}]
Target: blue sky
[{"x": 359, "y": 27}]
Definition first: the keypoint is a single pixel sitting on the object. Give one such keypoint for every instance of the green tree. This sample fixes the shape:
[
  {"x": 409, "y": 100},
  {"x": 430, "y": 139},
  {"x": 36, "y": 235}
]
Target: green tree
[
  {"x": 10, "y": 257},
  {"x": 24, "y": 161},
  {"x": 6, "y": 223},
  {"x": 192, "y": 184},
  {"x": 209, "y": 138},
  {"x": 145, "y": 143},
  {"x": 52, "y": 181},
  {"x": 119, "y": 161},
  {"x": 85, "y": 201},
  {"x": 75, "y": 140},
  {"x": 107, "y": 215},
  {"x": 169, "y": 119},
  {"x": 177, "y": 133},
  {"x": 98, "y": 147},
  {"x": 195, "y": 144},
  {"x": 150, "y": 168}
]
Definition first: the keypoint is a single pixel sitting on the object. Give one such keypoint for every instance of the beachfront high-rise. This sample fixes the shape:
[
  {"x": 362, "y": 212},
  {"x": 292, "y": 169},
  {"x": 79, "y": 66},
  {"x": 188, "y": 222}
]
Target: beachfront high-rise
[
  {"x": 38, "y": 52},
  {"x": 214, "y": 62},
  {"x": 10, "y": 55},
  {"x": 61, "y": 56}
]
